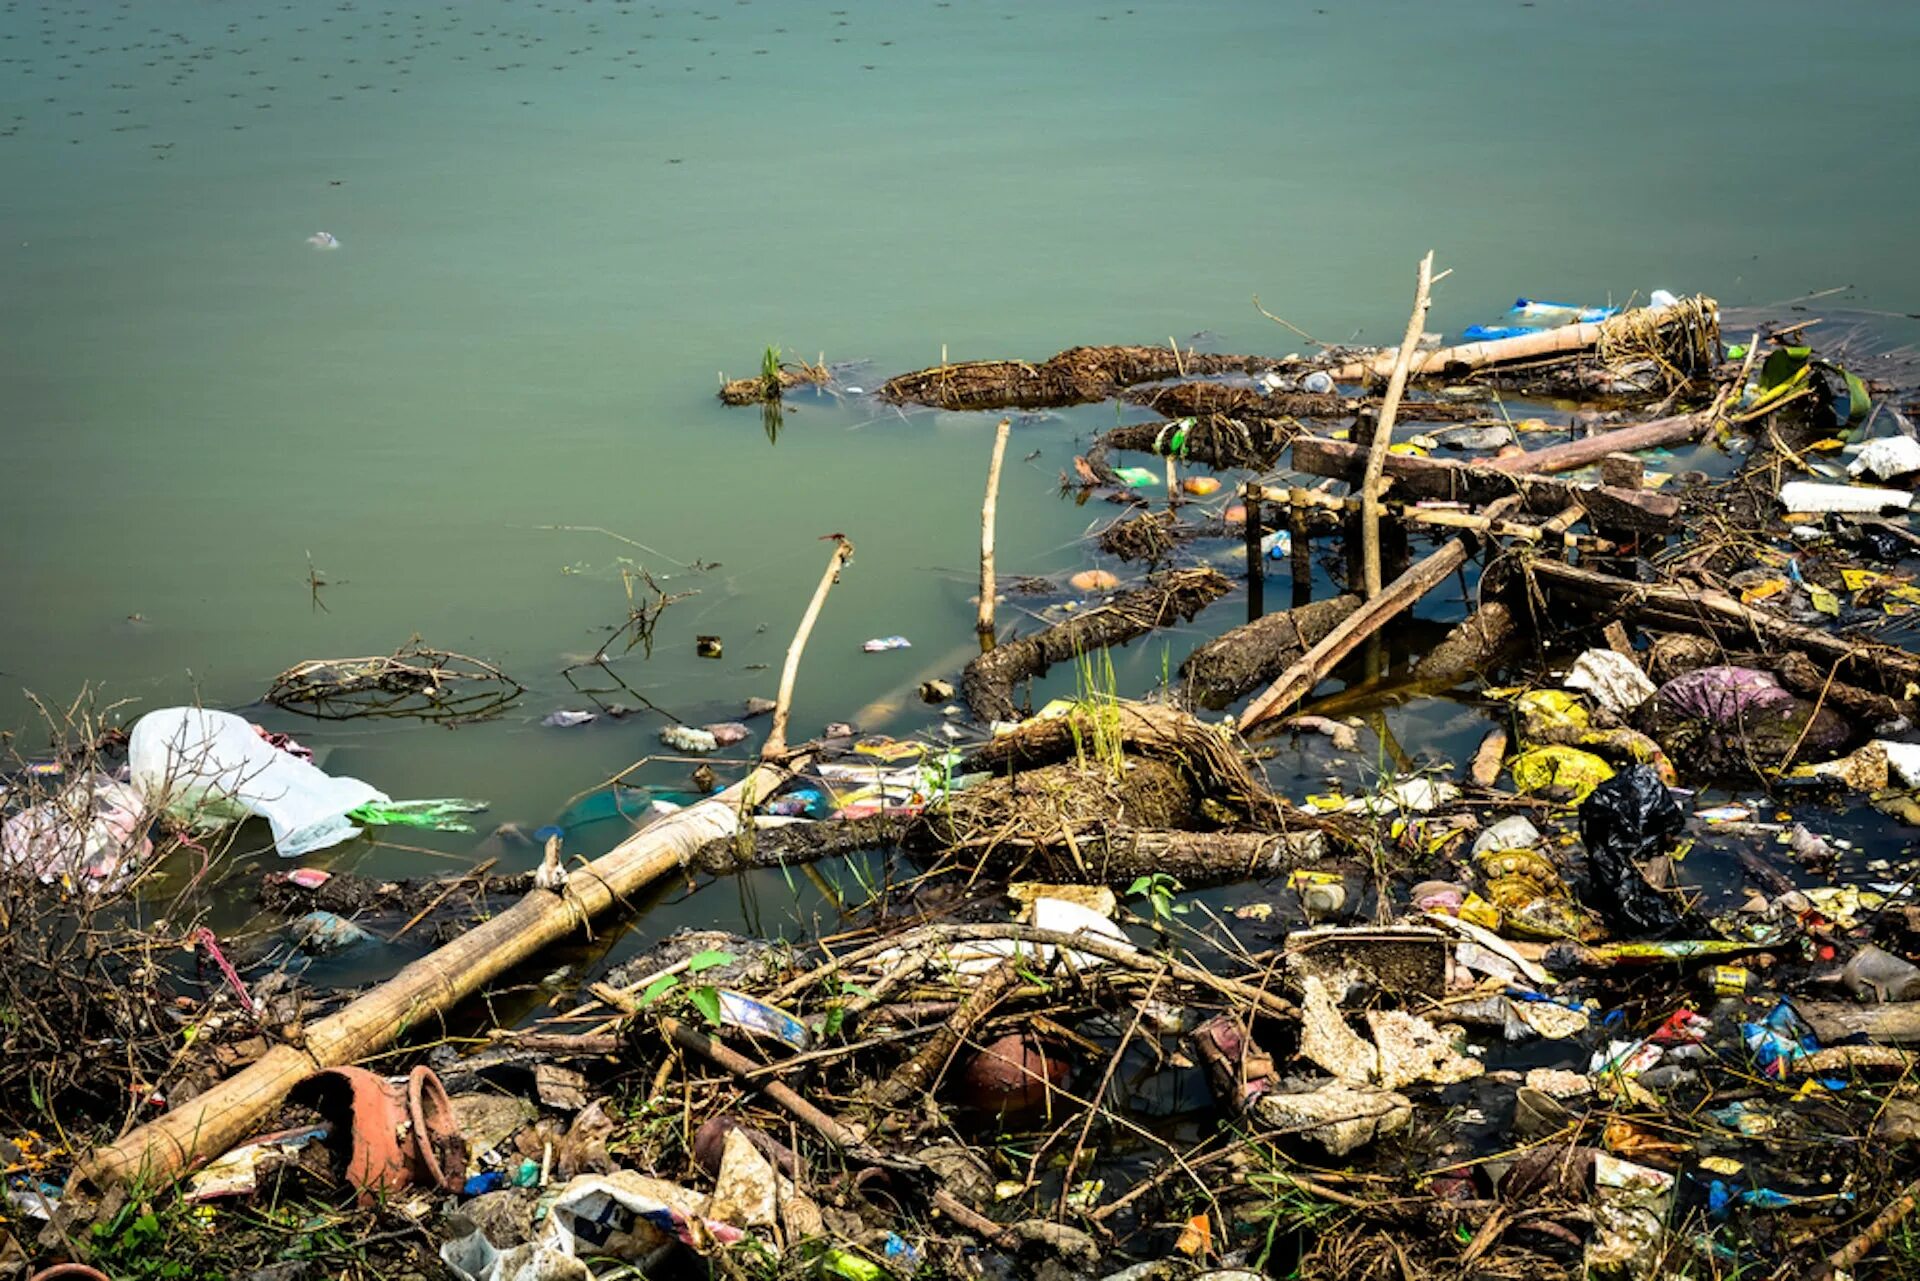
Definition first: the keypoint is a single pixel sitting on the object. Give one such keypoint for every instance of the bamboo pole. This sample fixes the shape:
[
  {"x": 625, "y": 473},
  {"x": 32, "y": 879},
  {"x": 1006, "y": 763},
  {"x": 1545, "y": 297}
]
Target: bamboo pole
[
  {"x": 1383, "y": 434},
  {"x": 985, "y": 624},
  {"x": 783, "y": 701}
]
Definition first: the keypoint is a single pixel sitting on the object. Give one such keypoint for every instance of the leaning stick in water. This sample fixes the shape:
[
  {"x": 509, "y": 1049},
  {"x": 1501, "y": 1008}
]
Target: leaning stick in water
[
  {"x": 783, "y": 701},
  {"x": 1371, "y": 485},
  {"x": 985, "y": 625}
]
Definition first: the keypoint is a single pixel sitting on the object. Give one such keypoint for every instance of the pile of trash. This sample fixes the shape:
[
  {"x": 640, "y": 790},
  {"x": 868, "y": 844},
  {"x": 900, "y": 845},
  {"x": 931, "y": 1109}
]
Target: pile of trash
[{"x": 1619, "y": 982}]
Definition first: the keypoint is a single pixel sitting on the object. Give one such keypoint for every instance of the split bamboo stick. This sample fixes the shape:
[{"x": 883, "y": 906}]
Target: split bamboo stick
[
  {"x": 985, "y": 624},
  {"x": 1371, "y": 482},
  {"x": 783, "y": 701}
]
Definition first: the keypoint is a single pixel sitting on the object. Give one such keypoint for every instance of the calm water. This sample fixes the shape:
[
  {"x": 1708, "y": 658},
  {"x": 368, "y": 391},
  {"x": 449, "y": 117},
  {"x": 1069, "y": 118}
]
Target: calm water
[{"x": 559, "y": 221}]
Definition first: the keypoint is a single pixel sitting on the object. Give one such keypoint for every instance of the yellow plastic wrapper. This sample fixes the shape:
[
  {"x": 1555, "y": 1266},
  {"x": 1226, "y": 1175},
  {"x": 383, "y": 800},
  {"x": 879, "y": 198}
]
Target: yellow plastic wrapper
[
  {"x": 1548, "y": 707},
  {"x": 1561, "y": 770}
]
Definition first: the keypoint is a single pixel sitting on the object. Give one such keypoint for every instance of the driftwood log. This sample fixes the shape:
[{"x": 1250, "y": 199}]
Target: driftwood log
[
  {"x": 1252, "y": 654},
  {"x": 989, "y": 679},
  {"x": 1217, "y": 441},
  {"x": 1686, "y": 336}
]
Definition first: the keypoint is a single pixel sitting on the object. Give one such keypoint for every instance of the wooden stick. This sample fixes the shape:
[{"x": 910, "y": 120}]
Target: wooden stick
[
  {"x": 1298, "y": 680},
  {"x": 783, "y": 703},
  {"x": 1383, "y": 435},
  {"x": 985, "y": 624},
  {"x": 1256, "y": 564}
]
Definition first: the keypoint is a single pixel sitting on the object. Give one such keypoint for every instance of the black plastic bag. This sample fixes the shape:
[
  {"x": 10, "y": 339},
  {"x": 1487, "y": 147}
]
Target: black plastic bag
[{"x": 1631, "y": 816}]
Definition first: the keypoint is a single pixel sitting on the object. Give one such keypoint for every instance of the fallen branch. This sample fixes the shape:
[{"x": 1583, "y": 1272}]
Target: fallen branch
[
  {"x": 989, "y": 679},
  {"x": 1588, "y": 450},
  {"x": 1692, "y": 324}
]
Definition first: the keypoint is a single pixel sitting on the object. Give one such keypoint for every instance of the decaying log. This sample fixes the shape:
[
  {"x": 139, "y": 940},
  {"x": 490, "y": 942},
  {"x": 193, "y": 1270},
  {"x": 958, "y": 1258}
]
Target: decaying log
[
  {"x": 1075, "y": 376},
  {"x": 1472, "y": 648},
  {"x": 1118, "y": 855},
  {"x": 757, "y": 390},
  {"x": 1252, "y": 654},
  {"x": 1199, "y": 399},
  {"x": 1207, "y": 753},
  {"x": 1895, "y": 1023},
  {"x": 1704, "y": 611},
  {"x": 1809, "y": 679},
  {"x": 1418, "y": 478},
  {"x": 989, "y": 679},
  {"x": 1217, "y": 441},
  {"x": 791, "y": 844},
  {"x": 1398, "y": 596}
]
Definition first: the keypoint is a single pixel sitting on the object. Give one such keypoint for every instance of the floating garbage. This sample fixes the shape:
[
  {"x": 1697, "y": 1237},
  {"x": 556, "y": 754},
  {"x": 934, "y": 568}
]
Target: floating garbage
[
  {"x": 209, "y": 768},
  {"x": 567, "y": 719},
  {"x": 685, "y": 738},
  {"x": 323, "y": 933},
  {"x": 881, "y": 644},
  {"x": 91, "y": 834},
  {"x": 1814, "y": 497},
  {"x": 1886, "y": 458}
]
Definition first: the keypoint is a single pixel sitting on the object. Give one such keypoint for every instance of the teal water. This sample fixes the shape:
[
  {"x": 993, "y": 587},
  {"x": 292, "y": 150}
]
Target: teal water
[{"x": 558, "y": 222}]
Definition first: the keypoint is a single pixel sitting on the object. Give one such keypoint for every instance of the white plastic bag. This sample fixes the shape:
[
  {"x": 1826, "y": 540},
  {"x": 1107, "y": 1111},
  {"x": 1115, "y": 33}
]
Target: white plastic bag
[
  {"x": 1613, "y": 680},
  {"x": 211, "y": 768}
]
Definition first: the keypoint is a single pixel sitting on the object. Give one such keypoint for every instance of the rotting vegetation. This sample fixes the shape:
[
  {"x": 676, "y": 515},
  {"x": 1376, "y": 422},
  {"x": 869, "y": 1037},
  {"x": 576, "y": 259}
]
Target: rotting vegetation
[{"x": 1609, "y": 995}]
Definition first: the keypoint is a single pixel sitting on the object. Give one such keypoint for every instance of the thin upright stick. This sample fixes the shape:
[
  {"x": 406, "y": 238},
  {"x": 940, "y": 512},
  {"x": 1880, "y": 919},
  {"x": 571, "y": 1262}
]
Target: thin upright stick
[
  {"x": 1256, "y": 566},
  {"x": 985, "y": 625},
  {"x": 1383, "y": 435},
  {"x": 783, "y": 702}
]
